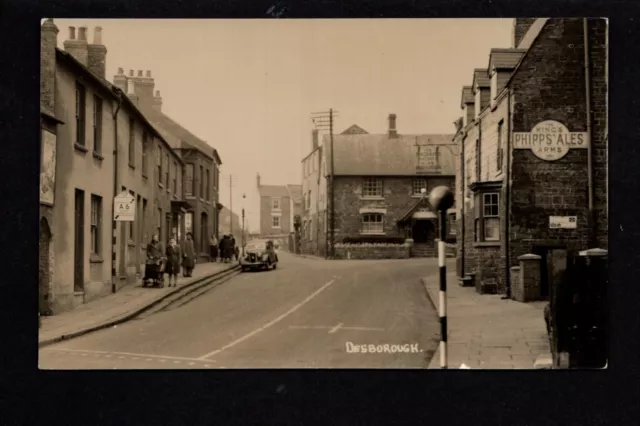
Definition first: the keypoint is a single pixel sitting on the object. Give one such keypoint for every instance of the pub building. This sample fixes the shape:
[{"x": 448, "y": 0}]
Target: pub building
[{"x": 532, "y": 171}]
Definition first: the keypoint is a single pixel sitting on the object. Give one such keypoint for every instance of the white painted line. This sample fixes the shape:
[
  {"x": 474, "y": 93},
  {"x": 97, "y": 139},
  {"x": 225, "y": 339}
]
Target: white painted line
[
  {"x": 336, "y": 328},
  {"x": 135, "y": 358},
  {"x": 363, "y": 328},
  {"x": 310, "y": 327},
  {"x": 121, "y": 357},
  {"x": 109, "y": 354},
  {"x": 270, "y": 323},
  {"x": 192, "y": 363}
]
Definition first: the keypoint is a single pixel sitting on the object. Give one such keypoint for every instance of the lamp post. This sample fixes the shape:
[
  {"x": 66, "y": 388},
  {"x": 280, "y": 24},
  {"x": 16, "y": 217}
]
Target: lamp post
[
  {"x": 242, "y": 237},
  {"x": 441, "y": 199}
]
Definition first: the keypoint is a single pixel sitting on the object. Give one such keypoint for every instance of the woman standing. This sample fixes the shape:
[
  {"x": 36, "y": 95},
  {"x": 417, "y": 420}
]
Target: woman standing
[
  {"x": 213, "y": 247},
  {"x": 189, "y": 256},
  {"x": 173, "y": 262}
]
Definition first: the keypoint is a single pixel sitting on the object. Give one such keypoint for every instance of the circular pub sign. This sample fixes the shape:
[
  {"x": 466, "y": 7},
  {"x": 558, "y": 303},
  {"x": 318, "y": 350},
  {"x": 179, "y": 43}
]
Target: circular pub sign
[{"x": 550, "y": 140}]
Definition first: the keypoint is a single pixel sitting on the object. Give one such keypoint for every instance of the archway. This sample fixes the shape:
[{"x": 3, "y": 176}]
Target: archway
[{"x": 45, "y": 274}]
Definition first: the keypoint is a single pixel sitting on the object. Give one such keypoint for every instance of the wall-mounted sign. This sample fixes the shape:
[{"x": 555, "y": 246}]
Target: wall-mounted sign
[
  {"x": 563, "y": 222},
  {"x": 427, "y": 159},
  {"x": 550, "y": 140},
  {"x": 48, "y": 168},
  {"x": 125, "y": 207}
]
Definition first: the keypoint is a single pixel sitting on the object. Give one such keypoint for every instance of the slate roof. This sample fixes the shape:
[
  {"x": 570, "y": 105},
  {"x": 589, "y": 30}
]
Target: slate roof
[
  {"x": 505, "y": 59},
  {"x": 277, "y": 191},
  {"x": 378, "y": 155},
  {"x": 467, "y": 96},
  {"x": 481, "y": 78},
  {"x": 355, "y": 130},
  {"x": 295, "y": 193}
]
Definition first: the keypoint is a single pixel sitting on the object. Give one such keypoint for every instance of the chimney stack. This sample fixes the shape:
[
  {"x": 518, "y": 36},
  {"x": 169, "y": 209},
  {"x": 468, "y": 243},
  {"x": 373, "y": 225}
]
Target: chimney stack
[
  {"x": 157, "y": 102},
  {"x": 393, "y": 133},
  {"x": 131, "y": 91},
  {"x": 120, "y": 80},
  {"x": 520, "y": 28},
  {"x": 48, "y": 43},
  {"x": 130, "y": 73},
  {"x": 258, "y": 180},
  {"x": 314, "y": 139},
  {"x": 77, "y": 47},
  {"x": 97, "y": 54},
  {"x": 139, "y": 73}
]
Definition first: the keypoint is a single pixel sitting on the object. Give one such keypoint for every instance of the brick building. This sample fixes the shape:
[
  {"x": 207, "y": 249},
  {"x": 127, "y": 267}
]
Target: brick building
[
  {"x": 533, "y": 158},
  {"x": 378, "y": 180},
  {"x": 312, "y": 224},
  {"x": 200, "y": 178},
  {"x": 278, "y": 206}
]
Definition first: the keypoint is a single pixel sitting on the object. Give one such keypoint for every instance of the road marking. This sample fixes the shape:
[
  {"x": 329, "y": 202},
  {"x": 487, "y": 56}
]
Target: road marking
[
  {"x": 336, "y": 328},
  {"x": 270, "y": 323},
  {"x": 107, "y": 354}
]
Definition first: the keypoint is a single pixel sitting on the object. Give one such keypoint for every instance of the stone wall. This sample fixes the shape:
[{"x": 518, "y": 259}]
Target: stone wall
[{"x": 372, "y": 251}]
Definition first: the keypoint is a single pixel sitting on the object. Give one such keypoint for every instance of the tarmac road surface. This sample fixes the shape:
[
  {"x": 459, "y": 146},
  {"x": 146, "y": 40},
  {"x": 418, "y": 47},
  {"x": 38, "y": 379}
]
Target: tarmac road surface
[{"x": 308, "y": 313}]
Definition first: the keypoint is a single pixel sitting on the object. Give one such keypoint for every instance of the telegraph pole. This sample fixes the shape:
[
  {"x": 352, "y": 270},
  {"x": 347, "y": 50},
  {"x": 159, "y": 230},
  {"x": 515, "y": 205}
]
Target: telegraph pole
[
  {"x": 231, "y": 204},
  {"x": 324, "y": 120}
]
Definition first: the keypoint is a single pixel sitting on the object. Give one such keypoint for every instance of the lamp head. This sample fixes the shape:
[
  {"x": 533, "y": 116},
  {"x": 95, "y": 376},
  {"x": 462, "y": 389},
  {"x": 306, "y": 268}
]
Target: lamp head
[
  {"x": 423, "y": 191},
  {"x": 441, "y": 198}
]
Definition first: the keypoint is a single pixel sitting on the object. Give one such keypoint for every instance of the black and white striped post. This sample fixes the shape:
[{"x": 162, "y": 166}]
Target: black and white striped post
[{"x": 441, "y": 199}]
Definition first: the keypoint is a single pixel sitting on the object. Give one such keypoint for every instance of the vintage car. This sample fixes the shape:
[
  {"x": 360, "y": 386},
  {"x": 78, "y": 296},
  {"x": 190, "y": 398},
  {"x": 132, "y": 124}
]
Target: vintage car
[{"x": 259, "y": 255}]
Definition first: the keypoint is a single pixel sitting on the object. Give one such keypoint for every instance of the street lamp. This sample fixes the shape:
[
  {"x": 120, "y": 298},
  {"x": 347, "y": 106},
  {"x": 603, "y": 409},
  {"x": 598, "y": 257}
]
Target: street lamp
[
  {"x": 242, "y": 237},
  {"x": 441, "y": 199}
]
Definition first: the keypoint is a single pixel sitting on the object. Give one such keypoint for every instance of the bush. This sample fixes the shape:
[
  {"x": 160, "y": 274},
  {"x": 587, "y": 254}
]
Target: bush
[{"x": 374, "y": 239}]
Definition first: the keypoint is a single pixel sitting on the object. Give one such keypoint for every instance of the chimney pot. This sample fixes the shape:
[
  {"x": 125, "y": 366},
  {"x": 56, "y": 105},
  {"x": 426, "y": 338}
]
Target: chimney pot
[
  {"x": 139, "y": 73},
  {"x": 393, "y": 133},
  {"x": 157, "y": 93},
  {"x": 97, "y": 35},
  {"x": 130, "y": 73},
  {"x": 120, "y": 71},
  {"x": 82, "y": 33},
  {"x": 148, "y": 73},
  {"x": 72, "y": 33}
]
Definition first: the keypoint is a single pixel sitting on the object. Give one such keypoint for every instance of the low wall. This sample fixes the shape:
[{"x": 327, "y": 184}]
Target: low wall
[{"x": 372, "y": 251}]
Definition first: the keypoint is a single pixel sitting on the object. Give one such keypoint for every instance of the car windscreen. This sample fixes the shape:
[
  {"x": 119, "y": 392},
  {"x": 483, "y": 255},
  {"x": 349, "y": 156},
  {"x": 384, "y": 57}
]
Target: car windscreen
[{"x": 256, "y": 247}]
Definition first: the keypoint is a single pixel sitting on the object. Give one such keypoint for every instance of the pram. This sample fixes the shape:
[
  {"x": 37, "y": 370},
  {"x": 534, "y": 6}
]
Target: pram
[{"x": 154, "y": 272}]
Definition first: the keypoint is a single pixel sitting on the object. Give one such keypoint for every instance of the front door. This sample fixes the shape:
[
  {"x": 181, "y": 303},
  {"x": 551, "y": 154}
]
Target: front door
[
  {"x": 423, "y": 231},
  {"x": 78, "y": 258}
]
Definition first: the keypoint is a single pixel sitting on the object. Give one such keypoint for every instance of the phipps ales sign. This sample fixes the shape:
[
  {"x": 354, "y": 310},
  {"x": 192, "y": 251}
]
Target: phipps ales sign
[{"x": 550, "y": 140}]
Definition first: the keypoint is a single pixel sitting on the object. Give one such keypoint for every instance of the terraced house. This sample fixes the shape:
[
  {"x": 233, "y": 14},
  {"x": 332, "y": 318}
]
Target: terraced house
[
  {"x": 378, "y": 183},
  {"x": 533, "y": 154},
  {"x": 200, "y": 179}
]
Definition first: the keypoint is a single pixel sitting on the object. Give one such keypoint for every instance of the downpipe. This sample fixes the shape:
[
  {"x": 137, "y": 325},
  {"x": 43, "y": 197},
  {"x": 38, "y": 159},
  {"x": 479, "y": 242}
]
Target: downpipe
[
  {"x": 115, "y": 190},
  {"x": 587, "y": 77},
  {"x": 507, "y": 195}
]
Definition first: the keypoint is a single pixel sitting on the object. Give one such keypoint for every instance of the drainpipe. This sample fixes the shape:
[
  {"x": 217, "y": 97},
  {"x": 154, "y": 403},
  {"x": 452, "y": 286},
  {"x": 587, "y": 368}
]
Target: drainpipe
[
  {"x": 587, "y": 77},
  {"x": 115, "y": 191},
  {"x": 463, "y": 168},
  {"x": 507, "y": 194}
]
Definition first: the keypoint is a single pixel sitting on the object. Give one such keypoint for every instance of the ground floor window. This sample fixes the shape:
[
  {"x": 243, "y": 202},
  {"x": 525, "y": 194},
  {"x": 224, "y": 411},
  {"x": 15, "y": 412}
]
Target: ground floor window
[
  {"x": 487, "y": 217},
  {"x": 275, "y": 221},
  {"x": 96, "y": 222},
  {"x": 372, "y": 223}
]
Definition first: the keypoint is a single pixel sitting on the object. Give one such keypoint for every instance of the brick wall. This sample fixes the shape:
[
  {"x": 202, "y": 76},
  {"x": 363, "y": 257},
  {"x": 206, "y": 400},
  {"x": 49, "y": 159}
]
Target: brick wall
[
  {"x": 397, "y": 201},
  {"x": 520, "y": 28},
  {"x": 48, "y": 41},
  {"x": 266, "y": 227}
]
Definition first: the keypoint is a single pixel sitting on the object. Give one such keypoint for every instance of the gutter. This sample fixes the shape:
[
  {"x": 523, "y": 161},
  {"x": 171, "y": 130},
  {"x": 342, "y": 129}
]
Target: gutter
[
  {"x": 114, "y": 228},
  {"x": 587, "y": 76}
]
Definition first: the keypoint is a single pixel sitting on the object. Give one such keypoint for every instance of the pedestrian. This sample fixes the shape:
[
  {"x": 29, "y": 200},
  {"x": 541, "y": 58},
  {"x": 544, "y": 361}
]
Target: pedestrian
[
  {"x": 221, "y": 248},
  {"x": 154, "y": 257},
  {"x": 188, "y": 256},
  {"x": 173, "y": 262},
  {"x": 213, "y": 248},
  {"x": 232, "y": 247}
]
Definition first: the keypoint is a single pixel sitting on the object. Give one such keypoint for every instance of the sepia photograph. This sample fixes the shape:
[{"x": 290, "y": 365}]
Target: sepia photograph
[{"x": 323, "y": 194}]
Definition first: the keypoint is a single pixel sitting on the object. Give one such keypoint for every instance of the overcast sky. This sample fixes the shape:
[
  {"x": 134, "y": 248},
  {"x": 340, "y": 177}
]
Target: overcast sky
[{"x": 248, "y": 86}]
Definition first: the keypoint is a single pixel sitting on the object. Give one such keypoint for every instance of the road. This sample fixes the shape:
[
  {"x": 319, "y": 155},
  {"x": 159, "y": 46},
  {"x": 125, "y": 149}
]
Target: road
[{"x": 308, "y": 313}]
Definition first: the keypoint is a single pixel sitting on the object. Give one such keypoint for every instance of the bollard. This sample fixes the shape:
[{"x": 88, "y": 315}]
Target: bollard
[{"x": 441, "y": 199}]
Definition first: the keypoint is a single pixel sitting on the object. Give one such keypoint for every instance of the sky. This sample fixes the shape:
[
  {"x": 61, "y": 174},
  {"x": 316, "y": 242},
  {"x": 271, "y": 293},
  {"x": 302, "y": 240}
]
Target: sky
[{"x": 248, "y": 87}]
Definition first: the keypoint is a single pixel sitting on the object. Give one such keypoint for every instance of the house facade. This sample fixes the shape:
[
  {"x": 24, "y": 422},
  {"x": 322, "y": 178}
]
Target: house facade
[
  {"x": 533, "y": 151},
  {"x": 277, "y": 208},
  {"x": 378, "y": 183},
  {"x": 200, "y": 176},
  {"x": 312, "y": 225}
]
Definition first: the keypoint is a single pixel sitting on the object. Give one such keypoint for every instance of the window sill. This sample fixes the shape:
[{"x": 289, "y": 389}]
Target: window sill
[
  {"x": 419, "y": 196},
  {"x": 371, "y": 198},
  {"x": 189, "y": 197},
  {"x": 78, "y": 292},
  {"x": 145, "y": 176},
  {"x": 487, "y": 244},
  {"x": 132, "y": 167},
  {"x": 160, "y": 185},
  {"x": 131, "y": 243},
  {"x": 97, "y": 156},
  {"x": 95, "y": 258},
  {"x": 80, "y": 148}
]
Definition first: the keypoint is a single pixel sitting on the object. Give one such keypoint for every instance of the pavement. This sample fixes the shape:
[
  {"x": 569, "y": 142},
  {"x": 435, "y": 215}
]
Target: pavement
[
  {"x": 487, "y": 332},
  {"x": 114, "y": 308},
  {"x": 304, "y": 314}
]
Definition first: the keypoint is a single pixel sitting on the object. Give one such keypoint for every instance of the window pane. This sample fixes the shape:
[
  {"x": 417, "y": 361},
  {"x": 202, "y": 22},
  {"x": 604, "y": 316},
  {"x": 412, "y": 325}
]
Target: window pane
[
  {"x": 492, "y": 229},
  {"x": 476, "y": 231},
  {"x": 372, "y": 187}
]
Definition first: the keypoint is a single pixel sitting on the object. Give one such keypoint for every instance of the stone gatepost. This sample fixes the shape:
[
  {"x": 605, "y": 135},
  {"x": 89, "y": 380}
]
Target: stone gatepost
[
  {"x": 529, "y": 281},
  {"x": 517, "y": 292}
]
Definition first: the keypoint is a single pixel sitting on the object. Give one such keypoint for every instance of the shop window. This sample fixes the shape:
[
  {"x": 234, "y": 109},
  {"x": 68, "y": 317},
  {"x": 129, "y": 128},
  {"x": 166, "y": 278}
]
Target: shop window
[
  {"x": 487, "y": 217},
  {"x": 372, "y": 187},
  {"x": 372, "y": 223}
]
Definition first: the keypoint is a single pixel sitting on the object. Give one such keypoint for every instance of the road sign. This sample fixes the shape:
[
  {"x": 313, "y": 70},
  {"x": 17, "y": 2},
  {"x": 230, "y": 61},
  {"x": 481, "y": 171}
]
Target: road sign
[
  {"x": 125, "y": 207},
  {"x": 563, "y": 222}
]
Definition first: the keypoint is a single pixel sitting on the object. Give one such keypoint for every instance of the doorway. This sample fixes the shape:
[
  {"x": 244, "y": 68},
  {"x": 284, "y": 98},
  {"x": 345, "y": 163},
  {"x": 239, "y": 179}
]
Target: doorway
[
  {"x": 44, "y": 282},
  {"x": 78, "y": 258},
  {"x": 553, "y": 264},
  {"x": 423, "y": 231}
]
